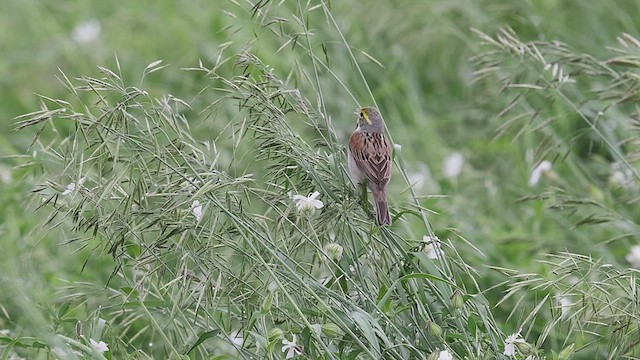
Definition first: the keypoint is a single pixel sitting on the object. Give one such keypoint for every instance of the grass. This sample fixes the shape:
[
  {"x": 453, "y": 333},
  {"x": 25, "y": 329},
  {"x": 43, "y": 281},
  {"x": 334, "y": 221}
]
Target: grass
[{"x": 253, "y": 103}]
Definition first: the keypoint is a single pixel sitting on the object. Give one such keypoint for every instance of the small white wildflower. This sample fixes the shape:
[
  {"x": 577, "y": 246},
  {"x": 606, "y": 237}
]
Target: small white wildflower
[
  {"x": 536, "y": 174},
  {"x": 99, "y": 346},
  {"x": 622, "y": 176},
  {"x": 397, "y": 147},
  {"x": 5, "y": 175},
  {"x": 86, "y": 32},
  {"x": 565, "y": 304},
  {"x": 433, "y": 248},
  {"x": 420, "y": 177},
  {"x": 417, "y": 179},
  {"x": 236, "y": 338},
  {"x": 308, "y": 203},
  {"x": 291, "y": 347},
  {"x": 633, "y": 257},
  {"x": 196, "y": 210},
  {"x": 334, "y": 251},
  {"x": 453, "y": 165},
  {"x": 445, "y": 355},
  {"x": 618, "y": 178},
  {"x": 510, "y": 343},
  {"x": 72, "y": 186}
]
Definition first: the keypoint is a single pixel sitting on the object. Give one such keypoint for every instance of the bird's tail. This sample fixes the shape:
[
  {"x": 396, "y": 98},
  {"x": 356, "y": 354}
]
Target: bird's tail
[{"x": 382, "y": 210}]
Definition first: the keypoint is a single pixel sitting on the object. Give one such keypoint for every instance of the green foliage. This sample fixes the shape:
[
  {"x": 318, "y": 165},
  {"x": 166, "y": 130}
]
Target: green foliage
[{"x": 165, "y": 224}]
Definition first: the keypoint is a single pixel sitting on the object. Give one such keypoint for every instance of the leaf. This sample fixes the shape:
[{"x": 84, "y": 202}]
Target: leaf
[
  {"x": 204, "y": 336},
  {"x": 354, "y": 354},
  {"x": 7, "y": 350},
  {"x": 38, "y": 345},
  {"x": 64, "y": 308},
  {"x": 364, "y": 324}
]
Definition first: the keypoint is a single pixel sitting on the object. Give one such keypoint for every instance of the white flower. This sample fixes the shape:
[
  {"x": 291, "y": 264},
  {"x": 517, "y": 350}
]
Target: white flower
[
  {"x": 236, "y": 338},
  {"x": 510, "y": 343},
  {"x": 5, "y": 175},
  {"x": 86, "y": 32},
  {"x": 273, "y": 286},
  {"x": 72, "y": 186},
  {"x": 433, "y": 248},
  {"x": 633, "y": 257},
  {"x": 622, "y": 176},
  {"x": 397, "y": 147},
  {"x": 419, "y": 178},
  {"x": 99, "y": 346},
  {"x": 618, "y": 178},
  {"x": 308, "y": 203},
  {"x": 565, "y": 304},
  {"x": 538, "y": 171},
  {"x": 453, "y": 165},
  {"x": 445, "y": 355},
  {"x": 291, "y": 347},
  {"x": 196, "y": 210}
]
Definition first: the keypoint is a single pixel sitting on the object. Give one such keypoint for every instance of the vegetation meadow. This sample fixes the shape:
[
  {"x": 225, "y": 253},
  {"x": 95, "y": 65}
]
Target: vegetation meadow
[{"x": 174, "y": 185}]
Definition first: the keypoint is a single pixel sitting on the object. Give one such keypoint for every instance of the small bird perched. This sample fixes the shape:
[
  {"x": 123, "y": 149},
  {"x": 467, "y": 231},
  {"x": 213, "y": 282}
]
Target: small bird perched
[{"x": 370, "y": 159}]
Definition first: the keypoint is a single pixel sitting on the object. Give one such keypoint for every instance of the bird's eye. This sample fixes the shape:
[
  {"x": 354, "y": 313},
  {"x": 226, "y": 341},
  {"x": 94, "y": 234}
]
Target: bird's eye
[{"x": 361, "y": 114}]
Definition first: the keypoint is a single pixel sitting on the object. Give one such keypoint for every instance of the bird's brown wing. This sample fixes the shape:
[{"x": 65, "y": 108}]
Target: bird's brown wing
[{"x": 373, "y": 158}]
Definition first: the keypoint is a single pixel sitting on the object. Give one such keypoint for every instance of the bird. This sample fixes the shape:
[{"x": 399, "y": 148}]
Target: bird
[{"x": 370, "y": 159}]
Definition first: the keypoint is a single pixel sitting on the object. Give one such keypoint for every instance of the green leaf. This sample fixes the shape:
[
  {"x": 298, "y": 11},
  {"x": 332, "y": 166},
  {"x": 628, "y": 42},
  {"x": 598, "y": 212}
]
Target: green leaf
[
  {"x": 565, "y": 354},
  {"x": 38, "y": 345},
  {"x": 204, "y": 336},
  {"x": 64, "y": 308},
  {"x": 365, "y": 326},
  {"x": 7, "y": 350}
]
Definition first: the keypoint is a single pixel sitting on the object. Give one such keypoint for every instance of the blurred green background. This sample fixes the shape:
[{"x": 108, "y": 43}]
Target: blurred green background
[{"x": 422, "y": 80}]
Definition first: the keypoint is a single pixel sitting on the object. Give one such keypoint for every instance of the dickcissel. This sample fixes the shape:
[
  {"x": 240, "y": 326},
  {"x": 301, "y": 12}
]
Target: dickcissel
[{"x": 370, "y": 159}]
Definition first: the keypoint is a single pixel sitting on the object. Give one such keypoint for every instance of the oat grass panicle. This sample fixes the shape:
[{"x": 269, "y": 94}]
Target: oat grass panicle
[
  {"x": 578, "y": 111},
  {"x": 211, "y": 252},
  {"x": 205, "y": 254}
]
